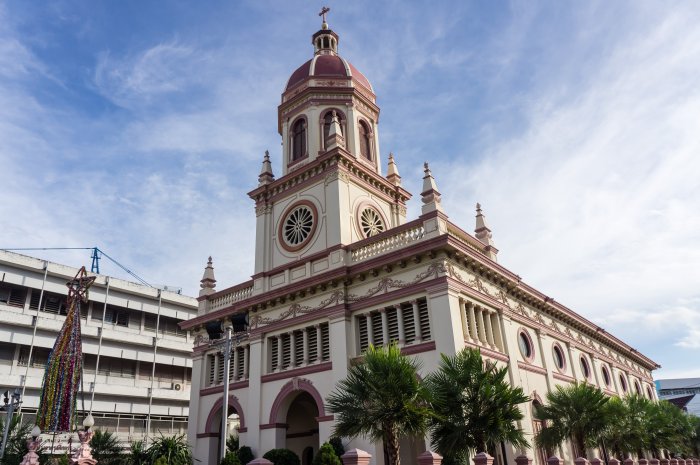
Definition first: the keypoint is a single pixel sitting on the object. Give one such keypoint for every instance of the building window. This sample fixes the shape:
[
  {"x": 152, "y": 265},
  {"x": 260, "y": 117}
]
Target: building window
[
  {"x": 559, "y": 358},
  {"x": 12, "y": 295},
  {"x": 606, "y": 376},
  {"x": 623, "y": 383},
  {"x": 408, "y": 321},
  {"x": 50, "y": 302},
  {"x": 297, "y": 226},
  {"x": 299, "y": 348},
  {"x": 525, "y": 344},
  {"x": 585, "y": 368},
  {"x": 371, "y": 222},
  {"x": 637, "y": 388},
  {"x": 650, "y": 396},
  {"x": 365, "y": 141},
  {"x": 299, "y": 139}
]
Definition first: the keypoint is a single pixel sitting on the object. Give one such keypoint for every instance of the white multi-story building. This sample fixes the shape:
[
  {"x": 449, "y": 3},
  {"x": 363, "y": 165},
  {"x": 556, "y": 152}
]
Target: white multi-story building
[
  {"x": 338, "y": 267},
  {"x": 125, "y": 327}
]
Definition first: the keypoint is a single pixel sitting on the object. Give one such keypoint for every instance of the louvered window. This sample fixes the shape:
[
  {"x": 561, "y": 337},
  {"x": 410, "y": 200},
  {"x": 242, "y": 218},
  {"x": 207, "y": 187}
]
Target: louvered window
[
  {"x": 393, "y": 323},
  {"x": 273, "y": 353},
  {"x": 313, "y": 344},
  {"x": 14, "y": 296},
  {"x": 219, "y": 368},
  {"x": 362, "y": 331},
  {"x": 325, "y": 339},
  {"x": 241, "y": 362},
  {"x": 377, "y": 333},
  {"x": 409, "y": 327},
  {"x": 286, "y": 352},
  {"x": 211, "y": 361},
  {"x": 299, "y": 347},
  {"x": 231, "y": 367},
  {"x": 424, "y": 319},
  {"x": 50, "y": 302}
]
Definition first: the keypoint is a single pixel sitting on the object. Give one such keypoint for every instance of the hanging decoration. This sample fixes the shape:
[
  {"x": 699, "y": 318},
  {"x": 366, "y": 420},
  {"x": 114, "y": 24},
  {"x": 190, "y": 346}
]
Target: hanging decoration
[{"x": 59, "y": 392}]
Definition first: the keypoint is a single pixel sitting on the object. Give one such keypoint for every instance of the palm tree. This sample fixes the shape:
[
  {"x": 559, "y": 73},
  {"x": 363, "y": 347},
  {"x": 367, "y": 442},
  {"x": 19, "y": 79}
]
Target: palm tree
[
  {"x": 575, "y": 412},
  {"x": 105, "y": 447},
  {"x": 381, "y": 398},
  {"x": 138, "y": 455},
  {"x": 475, "y": 407},
  {"x": 16, "y": 447},
  {"x": 629, "y": 426},
  {"x": 173, "y": 449},
  {"x": 669, "y": 428}
]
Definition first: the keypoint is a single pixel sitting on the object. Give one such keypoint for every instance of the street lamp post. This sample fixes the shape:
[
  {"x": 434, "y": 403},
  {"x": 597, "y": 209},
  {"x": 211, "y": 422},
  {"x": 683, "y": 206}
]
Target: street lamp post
[
  {"x": 11, "y": 402},
  {"x": 226, "y": 345}
]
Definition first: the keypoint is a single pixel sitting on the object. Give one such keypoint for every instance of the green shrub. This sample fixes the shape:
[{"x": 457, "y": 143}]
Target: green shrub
[
  {"x": 282, "y": 457},
  {"x": 338, "y": 446},
  {"x": 161, "y": 461},
  {"x": 64, "y": 460},
  {"x": 231, "y": 459},
  {"x": 245, "y": 455},
  {"x": 232, "y": 443},
  {"x": 326, "y": 456}
]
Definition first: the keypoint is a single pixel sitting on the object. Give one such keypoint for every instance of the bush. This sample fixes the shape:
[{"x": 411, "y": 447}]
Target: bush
[
  {"x": 326, "y": 456},
  {"x": 64, "y": 460},
  {"x": 232, "y": 443},
  {"x": 161, "y": 461},
  {"x": 338, "y": 446},
  {"x": 245, "y": 455},
  {"x": 231, "y": 459},
  {"x": 282, "y": 457}
]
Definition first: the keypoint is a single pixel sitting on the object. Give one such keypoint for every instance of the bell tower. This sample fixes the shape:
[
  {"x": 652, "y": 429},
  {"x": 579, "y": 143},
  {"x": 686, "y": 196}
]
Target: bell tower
[{"x": 331, "y": 192}]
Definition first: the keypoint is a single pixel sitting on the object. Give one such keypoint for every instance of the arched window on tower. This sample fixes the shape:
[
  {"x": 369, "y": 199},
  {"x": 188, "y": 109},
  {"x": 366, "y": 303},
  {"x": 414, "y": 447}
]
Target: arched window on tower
[
  {"x": 299, "y": 139},
  {"x": 365, "y": 141}
]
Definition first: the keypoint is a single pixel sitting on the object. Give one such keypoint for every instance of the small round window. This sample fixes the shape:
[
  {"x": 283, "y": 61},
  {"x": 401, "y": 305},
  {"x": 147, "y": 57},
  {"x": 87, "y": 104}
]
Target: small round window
[
  {"x": 606, "y": 376},
  {"x": 623, "y": 383},
  {"x": 297, "y": 226},
  {"x": 525, "y": 345},
  {"x": 371, "y": 222},
  {"x": 559, "y": 359},
  {"x": 585, "y": 368}
]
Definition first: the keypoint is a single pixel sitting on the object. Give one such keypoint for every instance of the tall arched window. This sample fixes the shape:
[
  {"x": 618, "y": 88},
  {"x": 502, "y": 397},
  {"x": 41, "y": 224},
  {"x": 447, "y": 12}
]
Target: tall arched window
[
  {"x": 298, "y": 139},
  {"x": 365, "y": 141}
]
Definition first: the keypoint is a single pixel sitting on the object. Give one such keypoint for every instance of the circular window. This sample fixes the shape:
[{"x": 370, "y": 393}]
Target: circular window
[
  {"x": 623, "y": 383},
  {"x": 371, "y": 222},
  {"x": 606, "y": 376},
  {"x": 559, "y": 359},
  {"x": 298, "y": 226},
  {"x": 525, "y": 344},
  {"x": 585, "y": 368}
]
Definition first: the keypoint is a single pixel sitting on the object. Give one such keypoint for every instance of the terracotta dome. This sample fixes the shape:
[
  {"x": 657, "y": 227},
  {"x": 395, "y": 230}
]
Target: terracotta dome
[{"x": 327, "y": 66}]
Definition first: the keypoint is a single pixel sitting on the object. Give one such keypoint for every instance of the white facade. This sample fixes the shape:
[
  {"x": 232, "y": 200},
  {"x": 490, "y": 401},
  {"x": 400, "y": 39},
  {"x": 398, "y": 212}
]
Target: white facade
[
  {"x": 138, "y": 325},
  {"x": 330, "y": 278}
]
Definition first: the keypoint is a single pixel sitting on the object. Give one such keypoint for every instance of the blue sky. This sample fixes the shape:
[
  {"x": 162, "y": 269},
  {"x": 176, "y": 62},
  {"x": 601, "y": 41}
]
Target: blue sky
[{"x": 138, "y": 127}]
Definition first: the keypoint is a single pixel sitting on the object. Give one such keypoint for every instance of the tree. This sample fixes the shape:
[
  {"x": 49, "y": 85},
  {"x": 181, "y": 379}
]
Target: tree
[
  {"x": 245, "y": 455},
  {"x": 232, "y": 443},
  {"x": 475, "y": 407},
  {"x": 575, "y": 412},
  {"x": 337, "y": 445},
  {"x": 382, "y": 399},
  {"x": 628, "y": 425},
  {"x": 138, "y": 455},
  {"x": 282, "y": 457},
  {"x": 231, "y": 459},
  {"x": 173, "y": 449},
  {"x": 105, "y": 447},
  {"x": 326, "y": 456},
  {"x": 669, "y": 428}
]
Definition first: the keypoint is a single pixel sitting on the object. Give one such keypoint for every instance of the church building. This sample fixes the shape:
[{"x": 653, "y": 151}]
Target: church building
[{"x": 339, "y": 266}]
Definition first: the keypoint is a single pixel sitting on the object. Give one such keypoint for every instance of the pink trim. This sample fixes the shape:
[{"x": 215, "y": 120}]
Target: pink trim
[
  {"x": 556, "y": 345},
  {"x": 532, "y": 368},
  {"x": 523, "y": 331},
  {"x": 583, "y": 360},
  {"x": 325, "y": 366},
  {"x": 488, "y": 352},
  {"x": 232, "y": 402},
  {"x": 273, "y": 425},
  {"x": 219, "y": 389},
  {"x": 289, "y": 388},
  {"x": 563, "y": 377},
  {"x": 418, "y": 348},
  {"x": 207, "y": 435},
  {"x": 358, "y": 219},
  {"x": 324, "y": 418},
  {"x": 604, "y": 371}
]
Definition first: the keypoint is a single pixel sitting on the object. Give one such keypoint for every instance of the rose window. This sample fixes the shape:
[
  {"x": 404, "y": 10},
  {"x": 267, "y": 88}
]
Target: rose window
[
  {"x": 371, "y": 223},
  {"x": 298, "y": 225}
]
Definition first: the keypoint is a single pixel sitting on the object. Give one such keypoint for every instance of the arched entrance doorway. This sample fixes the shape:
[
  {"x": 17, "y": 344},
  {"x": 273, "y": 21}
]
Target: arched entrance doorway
[
  {"x": 295, "y": 414},
  {"x": 302, "y": 427},
  {"x": 235, "y": 422}
]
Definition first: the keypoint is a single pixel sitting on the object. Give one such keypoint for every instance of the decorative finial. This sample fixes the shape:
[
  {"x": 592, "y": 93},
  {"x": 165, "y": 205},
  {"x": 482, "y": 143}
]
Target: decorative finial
[
  {"x": 323, "y": 13},
  {"x": 208, "y": 282},
  {"x": 335, "y": 134},
  {"x": 483, "y": 233},
  {"x": 430, "y": 196},
  {"x": 392, "y": 174},
  {"x": 266, "y": 176}
]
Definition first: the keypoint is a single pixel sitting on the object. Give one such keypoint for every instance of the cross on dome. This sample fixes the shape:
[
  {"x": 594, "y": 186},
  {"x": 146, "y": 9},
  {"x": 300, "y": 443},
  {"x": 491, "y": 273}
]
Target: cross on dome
[{"x": 323, "y": 13}]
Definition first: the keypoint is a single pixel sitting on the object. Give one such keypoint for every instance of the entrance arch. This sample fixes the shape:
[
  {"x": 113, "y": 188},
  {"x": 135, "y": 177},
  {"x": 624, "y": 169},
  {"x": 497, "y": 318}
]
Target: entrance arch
[
  {"x": 212, "y": 427},
  {"x": 297, "y": 409}
]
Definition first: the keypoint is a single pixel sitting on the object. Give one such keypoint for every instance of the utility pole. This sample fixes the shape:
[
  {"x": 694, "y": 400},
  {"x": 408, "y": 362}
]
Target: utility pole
[{"x": 10, "y": 405}]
